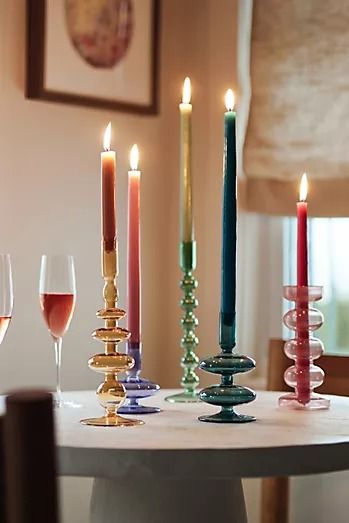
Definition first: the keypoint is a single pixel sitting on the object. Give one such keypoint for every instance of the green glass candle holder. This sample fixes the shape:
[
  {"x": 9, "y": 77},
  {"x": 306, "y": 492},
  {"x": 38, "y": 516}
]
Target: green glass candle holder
[
  {"x": 227, "y": 363},
  {"x": 189, "y": 342}
]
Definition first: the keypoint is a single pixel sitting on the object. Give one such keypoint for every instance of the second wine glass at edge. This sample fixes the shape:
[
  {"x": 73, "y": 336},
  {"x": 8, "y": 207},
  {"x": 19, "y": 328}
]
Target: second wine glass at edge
[
  {"x": 57, "y": 291},
  {"x": 6, "y": 294}
]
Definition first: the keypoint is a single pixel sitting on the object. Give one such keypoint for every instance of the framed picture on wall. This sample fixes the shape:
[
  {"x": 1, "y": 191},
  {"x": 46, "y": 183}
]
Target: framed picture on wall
[{"x": 97, "y": 53}]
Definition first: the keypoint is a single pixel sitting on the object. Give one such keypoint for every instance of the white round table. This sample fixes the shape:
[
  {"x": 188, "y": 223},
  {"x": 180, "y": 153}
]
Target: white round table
[{"x": 175, "y": 468}]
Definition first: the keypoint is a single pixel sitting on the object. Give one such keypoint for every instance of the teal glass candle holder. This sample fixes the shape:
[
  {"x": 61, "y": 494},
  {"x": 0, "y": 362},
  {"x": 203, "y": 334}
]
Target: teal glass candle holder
[{"x": 227, "y": 363}]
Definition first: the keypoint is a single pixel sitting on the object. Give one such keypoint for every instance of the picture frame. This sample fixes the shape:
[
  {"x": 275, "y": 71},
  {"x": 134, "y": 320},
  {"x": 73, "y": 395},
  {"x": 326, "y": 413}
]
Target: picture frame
[{"x": 56, "y": 73}]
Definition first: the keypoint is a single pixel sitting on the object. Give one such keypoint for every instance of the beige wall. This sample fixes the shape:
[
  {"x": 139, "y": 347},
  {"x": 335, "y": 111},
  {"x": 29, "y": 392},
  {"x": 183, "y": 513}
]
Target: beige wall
[{"x": 49, "y": 202}]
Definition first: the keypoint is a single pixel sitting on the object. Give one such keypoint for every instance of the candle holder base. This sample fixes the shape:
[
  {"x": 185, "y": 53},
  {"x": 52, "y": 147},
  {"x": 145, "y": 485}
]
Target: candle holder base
[
  {"x": 184, "y": 397},
  {"x": 137, "y": 408},
  {"x": 111, "y": 421},
  {"x": 136, "y": 389},
  {"x": 291, "y": 401},
  {"x": 227, "y": 416},
  {"x": 227, "y": 395}
]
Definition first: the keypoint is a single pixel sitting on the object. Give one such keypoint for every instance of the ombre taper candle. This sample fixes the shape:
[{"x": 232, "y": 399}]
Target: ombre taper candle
[
  {"x": 108, "y": 177},
  {"x": 133, "y": 249},
  {"x": 137, "y": 388}
]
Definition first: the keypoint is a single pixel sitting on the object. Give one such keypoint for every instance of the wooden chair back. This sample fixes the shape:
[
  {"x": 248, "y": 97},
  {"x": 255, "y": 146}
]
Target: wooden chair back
[
  {"x": 2, "y": 475},
  {"x": 30, "y": 460},
  {"x": 336, "y": 370},
  {"x": 275, "y": 491}
]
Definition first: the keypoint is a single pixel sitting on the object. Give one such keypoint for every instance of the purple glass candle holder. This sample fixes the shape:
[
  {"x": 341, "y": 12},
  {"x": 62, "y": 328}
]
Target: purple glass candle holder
[
  {"x": 137, "y": 388},
  {"x": 303, "y": 376}
]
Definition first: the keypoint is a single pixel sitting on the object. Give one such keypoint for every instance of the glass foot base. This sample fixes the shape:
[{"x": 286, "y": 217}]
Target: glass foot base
[
  {"x": 111, "y": 421},
  {"x": 290, "y": 401},
  {"x": 224, "y": 417},
  {"x": 138, "y": 409},
  {"x": 184, "y": 397},
  {"x": 139, "y": 387}
]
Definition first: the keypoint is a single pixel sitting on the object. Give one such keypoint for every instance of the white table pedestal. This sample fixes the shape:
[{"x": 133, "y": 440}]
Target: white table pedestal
[{"x": 155, "y": 500}]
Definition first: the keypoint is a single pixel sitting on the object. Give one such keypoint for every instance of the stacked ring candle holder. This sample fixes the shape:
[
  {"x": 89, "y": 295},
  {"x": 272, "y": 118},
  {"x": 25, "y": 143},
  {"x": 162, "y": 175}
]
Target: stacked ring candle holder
[
  {"x": 303, "y": 376},
  {"x": 189, "y": 341},
  {"x": 111, "y": 393},
  {"x": 137, "y": 388},
  {"x": 227, "y": 363}
]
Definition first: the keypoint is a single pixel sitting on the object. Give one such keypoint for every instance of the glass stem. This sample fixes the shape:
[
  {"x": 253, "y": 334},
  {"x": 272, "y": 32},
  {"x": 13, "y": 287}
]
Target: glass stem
[{"x": 58, "y": 357}]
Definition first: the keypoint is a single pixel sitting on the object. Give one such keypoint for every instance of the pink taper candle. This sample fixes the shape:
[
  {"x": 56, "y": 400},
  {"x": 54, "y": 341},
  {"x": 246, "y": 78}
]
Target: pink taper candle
[{"x": 133, "y": 251}]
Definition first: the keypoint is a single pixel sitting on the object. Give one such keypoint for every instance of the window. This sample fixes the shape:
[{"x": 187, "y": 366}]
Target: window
[{"x": 328, "y": 266}]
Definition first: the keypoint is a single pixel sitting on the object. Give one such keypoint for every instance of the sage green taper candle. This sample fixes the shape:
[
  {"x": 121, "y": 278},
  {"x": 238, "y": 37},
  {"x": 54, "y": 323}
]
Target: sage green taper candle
[
  {"x": 187, "y": 257},
  {"x": 186, "y": 200}
]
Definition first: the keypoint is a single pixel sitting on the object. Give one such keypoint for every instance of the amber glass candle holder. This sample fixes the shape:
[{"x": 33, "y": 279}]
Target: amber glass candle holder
[
  {"x": 111, "y": 393},
  {"x": 304, "y": 376}
]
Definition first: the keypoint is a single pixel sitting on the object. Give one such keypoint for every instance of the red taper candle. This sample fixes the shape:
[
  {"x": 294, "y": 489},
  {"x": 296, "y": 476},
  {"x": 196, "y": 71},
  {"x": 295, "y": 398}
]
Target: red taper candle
[
  {"x": 303, "y": 353},
  {"x": 133, "y": 249},
  {"x": 108, "y": 168},
  {"x": 302, "y": 235}
]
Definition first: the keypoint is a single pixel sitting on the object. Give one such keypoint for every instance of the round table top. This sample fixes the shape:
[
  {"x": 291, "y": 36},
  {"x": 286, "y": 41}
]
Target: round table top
[{"x": 175, "y": 444}]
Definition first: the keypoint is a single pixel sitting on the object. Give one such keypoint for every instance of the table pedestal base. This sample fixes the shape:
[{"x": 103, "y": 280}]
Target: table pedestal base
[{"x": 155, "y": 500}]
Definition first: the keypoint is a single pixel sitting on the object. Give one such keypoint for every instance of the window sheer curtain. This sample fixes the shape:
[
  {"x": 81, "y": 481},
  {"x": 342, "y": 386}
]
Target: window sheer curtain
[
  {"x": 298, "y": 52},
  {"x": 260, "y": 238}
]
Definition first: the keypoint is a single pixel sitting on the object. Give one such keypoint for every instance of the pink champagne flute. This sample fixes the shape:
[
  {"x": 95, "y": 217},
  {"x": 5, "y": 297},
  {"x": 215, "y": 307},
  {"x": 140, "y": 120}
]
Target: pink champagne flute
[
  {"x": 6, "y": 294},
  {"x": 57, "y": 292}
]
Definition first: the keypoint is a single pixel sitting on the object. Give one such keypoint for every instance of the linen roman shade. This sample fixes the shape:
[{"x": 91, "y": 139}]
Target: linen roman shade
[{"x": 294, "y": 80}]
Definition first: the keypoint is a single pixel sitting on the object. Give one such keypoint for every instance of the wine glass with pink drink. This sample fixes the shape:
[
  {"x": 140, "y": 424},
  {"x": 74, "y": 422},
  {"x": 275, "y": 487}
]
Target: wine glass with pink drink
[
  {"x": 57, "y": 292},
  {"x": 6, "y": 294}
]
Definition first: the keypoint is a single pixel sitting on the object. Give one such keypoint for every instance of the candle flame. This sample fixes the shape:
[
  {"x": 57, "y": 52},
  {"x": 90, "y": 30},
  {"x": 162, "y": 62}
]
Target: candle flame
[
  {"x": 107, "y": 136},
  {"x": 303, "y": 189},
  {"x": 134, "y": 157},
  {"x": 186, "y": 91},
  {"x": 229, "y": 100}
]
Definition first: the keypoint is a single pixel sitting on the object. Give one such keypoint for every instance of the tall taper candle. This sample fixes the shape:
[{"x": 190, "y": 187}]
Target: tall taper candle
[
  {"x": 302, "y": 234},
  {"x": 108, "y": 167},
  {"x": 187, "y": 257},
  {"x": 186, "y": 212},
  {"x": 228, "y": 267},
  {"x": 303, "y": 354},
  {"x": 133, "y": 250}
]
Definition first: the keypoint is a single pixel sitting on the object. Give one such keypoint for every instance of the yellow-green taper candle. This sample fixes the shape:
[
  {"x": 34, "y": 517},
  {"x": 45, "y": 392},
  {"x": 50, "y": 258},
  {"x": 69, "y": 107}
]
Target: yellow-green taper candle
[{"x": 186, "y": 203}]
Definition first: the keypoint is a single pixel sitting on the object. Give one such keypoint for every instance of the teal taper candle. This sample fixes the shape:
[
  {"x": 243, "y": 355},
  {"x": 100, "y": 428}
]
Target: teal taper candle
[{"x": 228, "y": 266}]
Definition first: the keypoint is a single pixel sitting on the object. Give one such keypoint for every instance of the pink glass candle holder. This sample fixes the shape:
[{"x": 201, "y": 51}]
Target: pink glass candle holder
[{"x": 303, "y": 376}]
